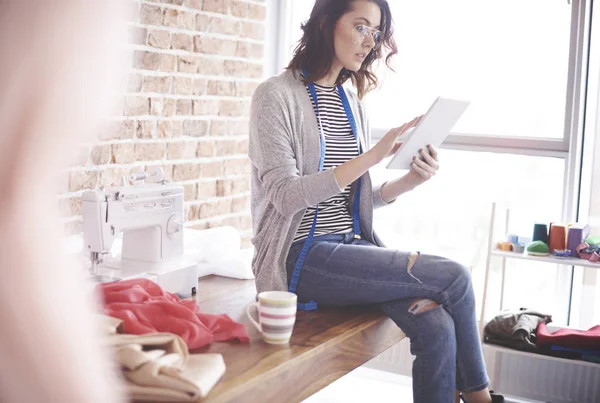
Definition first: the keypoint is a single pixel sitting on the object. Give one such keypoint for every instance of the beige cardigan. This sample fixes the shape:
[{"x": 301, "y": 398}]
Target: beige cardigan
[{"x": 284, "y": 151}]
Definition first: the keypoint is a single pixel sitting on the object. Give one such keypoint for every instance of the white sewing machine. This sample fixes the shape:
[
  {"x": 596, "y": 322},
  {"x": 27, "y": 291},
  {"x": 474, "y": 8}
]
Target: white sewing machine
[{"x": 150, "y": 217}]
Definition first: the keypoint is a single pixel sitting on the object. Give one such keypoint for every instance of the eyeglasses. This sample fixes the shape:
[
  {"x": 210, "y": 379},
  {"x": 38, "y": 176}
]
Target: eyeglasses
[{"x": 361, "y": 32}]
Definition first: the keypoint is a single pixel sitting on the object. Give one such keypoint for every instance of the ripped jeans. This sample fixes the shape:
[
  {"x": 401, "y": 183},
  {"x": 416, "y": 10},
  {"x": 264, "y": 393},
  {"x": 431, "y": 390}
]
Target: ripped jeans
[{"x": 430, "y": 298}]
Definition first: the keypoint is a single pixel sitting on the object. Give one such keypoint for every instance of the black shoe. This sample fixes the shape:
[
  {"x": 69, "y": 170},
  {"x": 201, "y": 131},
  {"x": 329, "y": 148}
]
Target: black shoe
[{"x": 495, "y": 397}]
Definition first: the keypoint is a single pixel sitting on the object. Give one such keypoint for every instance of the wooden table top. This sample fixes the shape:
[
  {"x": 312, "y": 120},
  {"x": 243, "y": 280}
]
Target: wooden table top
[{"x": 326, "y": 344}]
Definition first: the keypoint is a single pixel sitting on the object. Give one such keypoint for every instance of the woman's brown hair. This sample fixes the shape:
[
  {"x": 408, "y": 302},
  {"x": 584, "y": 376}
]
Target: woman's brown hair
[{"x": 315, "y": 51}]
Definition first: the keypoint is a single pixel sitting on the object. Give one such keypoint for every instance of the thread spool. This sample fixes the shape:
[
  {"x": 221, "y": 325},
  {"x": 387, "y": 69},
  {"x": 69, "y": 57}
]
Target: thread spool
[
  {"x": 512, "y": 238},
  {"x": 518, "y": 247},
  {"x": 525, "y": 240},
  {"x": 550, "y": 234},
  {"x": 558, "y": 237},
  {"x": 576, "y": 236},
  {"x": 540, "y": 233},
  {"x": 137, "y": 176}
]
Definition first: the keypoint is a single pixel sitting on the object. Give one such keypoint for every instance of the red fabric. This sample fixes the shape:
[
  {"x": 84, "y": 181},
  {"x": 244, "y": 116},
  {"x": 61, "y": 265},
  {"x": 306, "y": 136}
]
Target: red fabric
[
  {"x": 144, "y": 308},
  {"x": 569, "y": 337}
]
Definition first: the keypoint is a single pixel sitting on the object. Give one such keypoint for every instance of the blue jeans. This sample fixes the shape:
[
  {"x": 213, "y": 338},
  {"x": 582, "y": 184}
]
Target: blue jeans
[{"x": 341, "y": 271}]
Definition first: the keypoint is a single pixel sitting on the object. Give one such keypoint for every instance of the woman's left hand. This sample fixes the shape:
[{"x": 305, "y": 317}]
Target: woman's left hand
[
  {"x": 421, "y": 170},
  {"x": 424, "y": 168}
]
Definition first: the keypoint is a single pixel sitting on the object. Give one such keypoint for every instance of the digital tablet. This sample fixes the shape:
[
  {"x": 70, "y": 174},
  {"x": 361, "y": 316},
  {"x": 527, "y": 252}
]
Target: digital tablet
[{"x": 432, "y": 129}]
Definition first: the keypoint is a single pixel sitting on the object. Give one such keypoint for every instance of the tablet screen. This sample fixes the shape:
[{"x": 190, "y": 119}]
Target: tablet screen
[{"x": 433, "y": 129}]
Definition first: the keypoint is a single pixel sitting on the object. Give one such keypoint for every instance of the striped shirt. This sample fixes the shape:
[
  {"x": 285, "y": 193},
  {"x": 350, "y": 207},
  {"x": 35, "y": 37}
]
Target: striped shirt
[{"x": 335, "y": 213}]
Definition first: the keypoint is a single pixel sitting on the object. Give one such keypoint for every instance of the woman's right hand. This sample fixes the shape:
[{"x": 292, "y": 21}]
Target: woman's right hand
[
  {"x": 388, "y": 145},
  {"x": 349, "y": 171}
]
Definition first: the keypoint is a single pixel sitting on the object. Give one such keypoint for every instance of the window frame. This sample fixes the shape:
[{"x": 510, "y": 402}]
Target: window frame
[{"x": 584, "y": 302}]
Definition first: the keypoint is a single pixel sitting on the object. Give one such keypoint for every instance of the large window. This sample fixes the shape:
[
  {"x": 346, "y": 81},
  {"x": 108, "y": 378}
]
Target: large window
[
  {"x": 521, "y": 63},
  {"x": 510, "y": 58}
]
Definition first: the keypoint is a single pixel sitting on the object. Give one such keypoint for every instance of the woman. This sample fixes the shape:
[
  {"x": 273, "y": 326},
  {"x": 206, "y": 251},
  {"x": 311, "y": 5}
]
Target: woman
[{"x": 313, "y": 201}]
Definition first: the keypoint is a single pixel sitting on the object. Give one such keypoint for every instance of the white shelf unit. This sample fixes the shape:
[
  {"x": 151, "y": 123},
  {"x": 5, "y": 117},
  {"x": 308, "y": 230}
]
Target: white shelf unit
[
  {"x": 569, "y": 261},
  {"x": 557, "y": 380},
  {"x": 493, "y": 252}
]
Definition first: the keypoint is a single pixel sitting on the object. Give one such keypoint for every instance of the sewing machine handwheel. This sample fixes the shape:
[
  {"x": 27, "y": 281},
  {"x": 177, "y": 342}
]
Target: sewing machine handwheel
[
  {"x": 193, "y": 290},
  {"x": 174, "y": 225}
]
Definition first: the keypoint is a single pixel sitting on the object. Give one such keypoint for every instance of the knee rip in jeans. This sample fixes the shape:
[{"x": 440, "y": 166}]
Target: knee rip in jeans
[
  {"x": 422, "y": 305},
  {"x": 411, "y": 262}
]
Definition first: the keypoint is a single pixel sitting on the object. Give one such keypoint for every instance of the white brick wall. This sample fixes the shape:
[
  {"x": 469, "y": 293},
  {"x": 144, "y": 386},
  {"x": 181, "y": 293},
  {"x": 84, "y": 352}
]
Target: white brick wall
[{"x": 195, "y": 66}]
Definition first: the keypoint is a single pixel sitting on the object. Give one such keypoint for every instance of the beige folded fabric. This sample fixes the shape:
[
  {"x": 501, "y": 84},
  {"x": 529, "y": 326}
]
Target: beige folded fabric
[{"x": 158, "y": 366}]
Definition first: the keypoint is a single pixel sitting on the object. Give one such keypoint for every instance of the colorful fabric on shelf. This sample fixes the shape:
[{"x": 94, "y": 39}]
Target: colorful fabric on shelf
[
  {"x": 145, "y": 307},
  {"x": 578, "y": 352},
  {"x": 587, "y": 251},
  {"x": 581, "y": 339}
]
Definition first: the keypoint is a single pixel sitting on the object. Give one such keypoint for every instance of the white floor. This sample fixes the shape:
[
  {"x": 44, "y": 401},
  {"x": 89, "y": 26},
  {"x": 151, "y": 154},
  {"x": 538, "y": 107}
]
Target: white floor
[
  {"x": 370, "y": 385},
  {"x": 366, "y": 385}
]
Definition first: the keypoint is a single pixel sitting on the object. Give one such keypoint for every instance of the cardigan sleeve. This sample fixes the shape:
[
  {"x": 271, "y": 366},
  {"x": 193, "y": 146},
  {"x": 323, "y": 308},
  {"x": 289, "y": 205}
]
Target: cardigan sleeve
[{"x": 272, "y": 153}]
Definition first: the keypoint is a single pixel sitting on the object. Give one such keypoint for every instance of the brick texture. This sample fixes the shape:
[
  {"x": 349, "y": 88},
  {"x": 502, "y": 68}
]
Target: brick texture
[{"x": 185, "y": 108}]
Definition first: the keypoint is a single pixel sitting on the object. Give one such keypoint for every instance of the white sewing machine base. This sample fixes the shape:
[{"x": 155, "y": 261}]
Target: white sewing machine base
[{"x": 178, "y": 277}]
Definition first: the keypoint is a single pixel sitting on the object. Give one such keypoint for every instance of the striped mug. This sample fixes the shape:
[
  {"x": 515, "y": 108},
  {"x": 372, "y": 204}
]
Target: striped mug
[{"x": 276, "y": 315}]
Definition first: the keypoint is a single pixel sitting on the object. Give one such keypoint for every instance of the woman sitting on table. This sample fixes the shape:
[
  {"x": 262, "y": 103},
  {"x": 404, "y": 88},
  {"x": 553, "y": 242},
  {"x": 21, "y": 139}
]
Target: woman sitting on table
[{"x": 313, "y": 201}]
